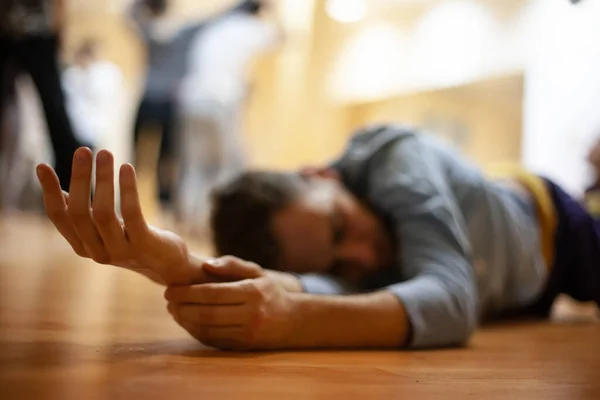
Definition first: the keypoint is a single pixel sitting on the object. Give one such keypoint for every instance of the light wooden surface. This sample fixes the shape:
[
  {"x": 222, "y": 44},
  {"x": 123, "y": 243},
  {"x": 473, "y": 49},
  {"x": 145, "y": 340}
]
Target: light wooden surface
[{"x": 70, "y": 329}]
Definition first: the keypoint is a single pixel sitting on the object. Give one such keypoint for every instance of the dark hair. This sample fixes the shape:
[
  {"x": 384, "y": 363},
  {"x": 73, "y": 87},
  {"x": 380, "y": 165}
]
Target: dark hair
[
  {"x": 157, "y": 7},
  {"x": 242, "y": 210}
]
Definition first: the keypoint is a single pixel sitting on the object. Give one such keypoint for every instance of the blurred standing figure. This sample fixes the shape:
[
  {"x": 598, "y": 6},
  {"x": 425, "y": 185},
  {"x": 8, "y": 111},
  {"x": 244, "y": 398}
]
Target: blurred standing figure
[
  {"x": 94, "y": 92},
  {"x": 10, "y": 157},
  {"x": 30, "y": 36},
  {"x": 95, "y": 97},
  {"x": 592, "y": 194},
  {"x": 167, "y": 50},
  {"x": 212, "y": 98}
]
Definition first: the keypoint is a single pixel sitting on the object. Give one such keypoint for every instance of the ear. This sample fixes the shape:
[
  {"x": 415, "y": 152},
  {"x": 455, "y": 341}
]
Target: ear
[{"x": 320, "y": 172}]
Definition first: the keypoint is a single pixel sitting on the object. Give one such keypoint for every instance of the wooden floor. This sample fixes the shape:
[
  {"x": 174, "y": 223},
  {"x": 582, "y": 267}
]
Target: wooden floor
[{"x": 70, "y": 329}]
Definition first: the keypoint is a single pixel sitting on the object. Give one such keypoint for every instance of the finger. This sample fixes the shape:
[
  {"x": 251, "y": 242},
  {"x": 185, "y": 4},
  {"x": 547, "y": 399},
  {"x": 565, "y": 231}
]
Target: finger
[
  {"x": 232, "y": 268},
  {"x": 221, "y": 315},
  {"x": 55, "y": 204},
  {"x": 103, "y": 209},
  {"x": 135, "y": 224},
  {"x": 200, "y": 275},
  {"x": 213, "y": 293},
  {"x": 79, "y": 205}
]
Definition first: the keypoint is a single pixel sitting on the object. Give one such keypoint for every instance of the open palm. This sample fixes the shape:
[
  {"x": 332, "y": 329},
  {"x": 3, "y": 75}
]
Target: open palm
[{"x": 94, "y": 230}]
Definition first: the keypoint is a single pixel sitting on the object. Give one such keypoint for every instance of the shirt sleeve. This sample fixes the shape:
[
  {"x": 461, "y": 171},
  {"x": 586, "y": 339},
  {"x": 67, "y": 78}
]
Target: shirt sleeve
[{"x": 439, "y": 292}]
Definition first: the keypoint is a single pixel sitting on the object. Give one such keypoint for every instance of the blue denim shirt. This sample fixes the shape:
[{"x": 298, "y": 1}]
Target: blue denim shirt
[{"x": 467, "y": 247}]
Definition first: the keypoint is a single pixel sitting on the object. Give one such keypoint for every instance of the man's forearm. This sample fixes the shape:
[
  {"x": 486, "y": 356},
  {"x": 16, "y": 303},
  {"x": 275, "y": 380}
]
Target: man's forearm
[{"x": 375, "y": 320}]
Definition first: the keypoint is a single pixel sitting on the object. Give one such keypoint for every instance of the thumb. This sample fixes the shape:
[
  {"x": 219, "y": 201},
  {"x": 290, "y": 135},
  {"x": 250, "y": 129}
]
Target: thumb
[{"x": 233, "y": 268}]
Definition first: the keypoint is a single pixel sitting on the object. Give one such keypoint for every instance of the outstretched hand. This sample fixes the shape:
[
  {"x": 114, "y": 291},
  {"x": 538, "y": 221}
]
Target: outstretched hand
[
  {"x": 94, "y": 230},
  {"x": 226, "y": 303}
]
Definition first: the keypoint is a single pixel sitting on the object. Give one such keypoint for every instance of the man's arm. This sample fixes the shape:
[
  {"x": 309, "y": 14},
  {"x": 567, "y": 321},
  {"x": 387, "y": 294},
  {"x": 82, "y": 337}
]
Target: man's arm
[
  {"x": 256, "y": 312},
  {"x": 94, "y": 230},
  {"x": 290, "y": 282},
  {"x": 440, "y": 292},
  {"x": 374, "y": 320}
]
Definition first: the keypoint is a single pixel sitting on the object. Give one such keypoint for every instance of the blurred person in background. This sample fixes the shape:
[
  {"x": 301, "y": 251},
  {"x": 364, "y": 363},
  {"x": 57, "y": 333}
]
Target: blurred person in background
[
  {"x": 94, "y": 91},
  {"x": 95, "y": 96},
  {"x": 27, "y": 143},
  {"x": 9, "y": 130},
  {"x": 213, "y": 95},
  {"x": 30, "y": 36},
  {"x": 167, "y": 44},
  {"x": 592, "y": 194}
]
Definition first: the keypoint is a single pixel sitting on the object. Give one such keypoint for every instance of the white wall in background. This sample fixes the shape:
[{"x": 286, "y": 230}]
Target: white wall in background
[
  {"x": 374, "y": 64},
  {"x": 451, "y": 43},
  {"x": 562, "y": 89}
]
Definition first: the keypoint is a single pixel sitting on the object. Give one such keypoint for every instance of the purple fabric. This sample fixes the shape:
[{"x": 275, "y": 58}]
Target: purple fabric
[{"x": 576, "y": 269}]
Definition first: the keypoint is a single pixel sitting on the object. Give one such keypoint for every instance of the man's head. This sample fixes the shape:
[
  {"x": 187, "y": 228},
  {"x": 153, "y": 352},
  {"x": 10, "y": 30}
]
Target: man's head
[{"x": 298, "y": 223}]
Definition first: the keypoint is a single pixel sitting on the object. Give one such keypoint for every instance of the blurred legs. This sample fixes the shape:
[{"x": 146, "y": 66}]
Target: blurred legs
[{"x": 211, "y": 153}]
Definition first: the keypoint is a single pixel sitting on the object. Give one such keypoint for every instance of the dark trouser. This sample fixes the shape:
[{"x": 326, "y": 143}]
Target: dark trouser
[
  {"x": 38, "y": 57},
  {"x": 162, "y": 114},
  {"x": 576, "y": 269}
]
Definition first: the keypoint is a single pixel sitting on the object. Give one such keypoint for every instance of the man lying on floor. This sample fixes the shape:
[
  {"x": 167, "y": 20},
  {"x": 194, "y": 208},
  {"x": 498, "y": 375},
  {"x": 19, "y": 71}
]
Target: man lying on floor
[{"x": 398, "y": 243}]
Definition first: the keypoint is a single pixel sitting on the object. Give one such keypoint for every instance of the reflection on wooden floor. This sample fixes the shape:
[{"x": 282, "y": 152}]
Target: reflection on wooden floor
[{"x": 71, "y": 329}]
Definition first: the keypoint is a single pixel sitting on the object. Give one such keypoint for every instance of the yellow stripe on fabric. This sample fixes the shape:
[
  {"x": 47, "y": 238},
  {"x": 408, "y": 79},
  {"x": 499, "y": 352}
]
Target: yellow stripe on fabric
[{"x": 546, "y": 212}]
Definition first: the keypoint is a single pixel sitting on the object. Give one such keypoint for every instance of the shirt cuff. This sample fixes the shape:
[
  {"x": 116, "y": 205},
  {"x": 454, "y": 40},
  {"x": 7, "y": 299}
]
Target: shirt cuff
[{"x": 434, "y": 318}]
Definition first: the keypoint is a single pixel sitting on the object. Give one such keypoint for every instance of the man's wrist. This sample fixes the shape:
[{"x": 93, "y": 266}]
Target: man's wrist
[
  {"x": 194, "y": 271},
  {"x": 290, "y": 282}
]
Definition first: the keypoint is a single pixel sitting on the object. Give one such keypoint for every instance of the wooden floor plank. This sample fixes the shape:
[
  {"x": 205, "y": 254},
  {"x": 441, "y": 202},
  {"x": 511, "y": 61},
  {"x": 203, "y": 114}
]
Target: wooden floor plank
[{"x": 71, "y": 329}]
